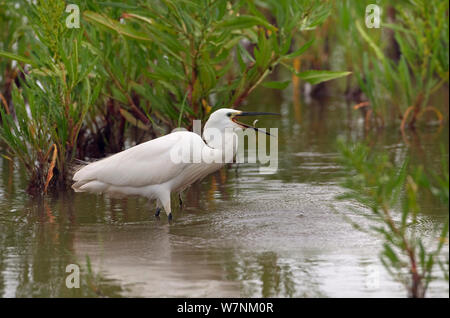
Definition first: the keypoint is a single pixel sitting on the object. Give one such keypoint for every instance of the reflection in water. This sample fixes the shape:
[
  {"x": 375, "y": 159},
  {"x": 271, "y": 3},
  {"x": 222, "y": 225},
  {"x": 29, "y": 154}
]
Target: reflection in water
[
  {"x": 296, "y": 89},
  {"x": 35, "y": 248},
  {"x": 239, "y": 233}
]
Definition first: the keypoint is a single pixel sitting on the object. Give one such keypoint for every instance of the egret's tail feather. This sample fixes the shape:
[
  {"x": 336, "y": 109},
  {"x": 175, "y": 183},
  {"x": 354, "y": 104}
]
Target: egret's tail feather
[
  {"x": 83, "y": 182},
  {"x": 77, "y": 186},
  {"x": 90, "y": 186},
  {"x": 77, "y": 166}
]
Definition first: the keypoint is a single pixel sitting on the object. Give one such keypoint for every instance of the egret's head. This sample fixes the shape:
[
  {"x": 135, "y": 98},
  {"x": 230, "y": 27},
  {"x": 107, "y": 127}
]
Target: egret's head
[{"x": 228, "y": 118}]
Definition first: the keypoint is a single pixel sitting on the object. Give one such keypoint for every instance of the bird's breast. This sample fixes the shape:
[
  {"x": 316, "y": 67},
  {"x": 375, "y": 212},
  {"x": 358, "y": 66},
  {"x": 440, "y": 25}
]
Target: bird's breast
[{"x": 193, "y": 173}]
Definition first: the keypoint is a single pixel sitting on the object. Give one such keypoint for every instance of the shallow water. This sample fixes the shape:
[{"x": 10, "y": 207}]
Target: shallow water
[{"x": 240, "y": 233}]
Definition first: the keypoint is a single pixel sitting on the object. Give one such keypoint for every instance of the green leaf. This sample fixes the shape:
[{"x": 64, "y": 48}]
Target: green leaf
[
  {"x": 263, "y": 52},
  {"x": 117, "y": 5},
  {"x": 391, "y": 255},
  {"x": 375, "y": 47},
  {"x": 245, "y": 22},
  {"x": 444, "y": 234},
  {"x": 301, "y": 50},
  {"x": 276, "y": 85},
  {"x": 115, "y": 25},
  {"x": 16, "y": 57},
  {"x": 133, "y": 120},
  {"x": 138, "y": 17},
  {"x": 317, "y": 76}
]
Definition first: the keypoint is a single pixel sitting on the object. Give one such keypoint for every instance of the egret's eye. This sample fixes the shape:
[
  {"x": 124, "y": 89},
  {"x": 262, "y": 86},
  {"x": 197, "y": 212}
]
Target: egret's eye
[{"x": 229, "y": 114}]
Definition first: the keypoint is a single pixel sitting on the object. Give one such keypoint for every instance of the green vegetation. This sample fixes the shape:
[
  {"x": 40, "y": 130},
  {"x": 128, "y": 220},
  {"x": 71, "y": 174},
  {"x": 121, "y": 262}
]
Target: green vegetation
[
  {"x": 154, "y": 66},
  {"x": 399, "y": 66},
  {"x": 382, "y": 187},
  {"x": 420, "y": 30},
  {"x": 137, "y": 69},
  {"x": 42, "y": 123}
]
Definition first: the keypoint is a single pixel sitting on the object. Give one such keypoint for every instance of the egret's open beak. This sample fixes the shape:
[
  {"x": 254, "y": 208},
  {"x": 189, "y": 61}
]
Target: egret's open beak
[{"x": 241, "y": 114}]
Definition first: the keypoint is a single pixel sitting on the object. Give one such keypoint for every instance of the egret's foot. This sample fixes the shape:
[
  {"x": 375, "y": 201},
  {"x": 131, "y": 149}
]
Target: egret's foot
[
  {"x": 170, "y": 217},
  {"x": 158, "y": 210},
  {"x": 181, "y": 201}
]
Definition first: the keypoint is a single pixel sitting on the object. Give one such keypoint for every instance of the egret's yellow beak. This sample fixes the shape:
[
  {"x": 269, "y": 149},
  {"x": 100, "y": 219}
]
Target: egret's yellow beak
[{"x": 241, "y": 114}]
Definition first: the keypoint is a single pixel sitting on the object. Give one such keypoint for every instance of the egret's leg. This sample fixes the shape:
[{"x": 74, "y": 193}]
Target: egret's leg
[
  {"x": 158, "y": 207},
  {"x": 180, "y": 200},
  {"x": 165, "y": 200}
]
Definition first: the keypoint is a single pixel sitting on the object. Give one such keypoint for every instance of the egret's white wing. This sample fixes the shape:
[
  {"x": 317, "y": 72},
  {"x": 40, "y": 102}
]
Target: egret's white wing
[{"x": 146, "y": 164}]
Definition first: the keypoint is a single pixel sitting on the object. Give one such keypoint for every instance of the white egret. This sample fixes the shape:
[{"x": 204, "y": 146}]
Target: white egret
[{"x": 148, "y": 169}]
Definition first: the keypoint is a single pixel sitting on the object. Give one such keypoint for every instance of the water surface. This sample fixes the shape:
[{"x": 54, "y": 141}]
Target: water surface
[{"x": 240, "y": 233}]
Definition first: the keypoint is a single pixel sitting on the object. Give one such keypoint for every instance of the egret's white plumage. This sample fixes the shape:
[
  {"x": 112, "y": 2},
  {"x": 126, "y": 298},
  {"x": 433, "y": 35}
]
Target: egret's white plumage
[{"x": 149, "y": 170}]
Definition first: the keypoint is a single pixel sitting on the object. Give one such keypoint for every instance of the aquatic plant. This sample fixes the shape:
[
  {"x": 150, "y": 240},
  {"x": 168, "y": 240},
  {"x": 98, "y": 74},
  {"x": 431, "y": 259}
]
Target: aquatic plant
[
  {"x": 381, "y": 186},
  {"x": 397, "y": 67},
  {"x": 8, "y": 22},
  {"x": 399, "y": 84},
  {"x": 42, "y": 124},
  {"x": 208, "y": 54}
]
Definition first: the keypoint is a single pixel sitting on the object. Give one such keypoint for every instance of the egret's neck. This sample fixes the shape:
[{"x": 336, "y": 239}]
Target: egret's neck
[{"x": 224, "y": 140}]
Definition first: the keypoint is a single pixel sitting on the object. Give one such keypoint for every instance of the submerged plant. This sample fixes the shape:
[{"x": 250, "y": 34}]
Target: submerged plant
[{"x": 379, "y": 185}]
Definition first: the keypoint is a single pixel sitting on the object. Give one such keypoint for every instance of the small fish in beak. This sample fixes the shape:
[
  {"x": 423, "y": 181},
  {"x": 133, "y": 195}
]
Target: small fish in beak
[{"x": 241, "y": 114}]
